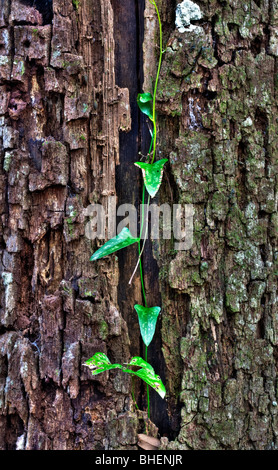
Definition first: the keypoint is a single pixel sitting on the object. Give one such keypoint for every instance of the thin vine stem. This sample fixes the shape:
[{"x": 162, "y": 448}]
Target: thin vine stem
[
  {"x": 157, "y": 78},
  {"x": 141, "y": 230},
  {"x": 153, "y": 145},
  {"x": 133, "y": 394},
  {"x": 148, "y": 389},
  {"x": 141, "y": 252}
]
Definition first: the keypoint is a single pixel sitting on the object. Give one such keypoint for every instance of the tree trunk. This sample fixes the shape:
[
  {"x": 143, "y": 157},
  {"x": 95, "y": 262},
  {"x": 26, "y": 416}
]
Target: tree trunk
[{"x": 70, "y": 72}]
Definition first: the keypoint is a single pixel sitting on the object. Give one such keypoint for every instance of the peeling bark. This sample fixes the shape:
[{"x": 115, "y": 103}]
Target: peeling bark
[{"x": 61, "y": 114}]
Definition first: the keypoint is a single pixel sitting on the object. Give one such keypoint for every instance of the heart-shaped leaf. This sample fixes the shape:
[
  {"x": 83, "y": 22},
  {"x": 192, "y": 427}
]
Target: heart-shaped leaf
[
  {"x": 117, "y": 243},
  {"x": 147, "y": 320},
  {"x": 145, "y": 103},
  {"x": 152, "y": 174}
]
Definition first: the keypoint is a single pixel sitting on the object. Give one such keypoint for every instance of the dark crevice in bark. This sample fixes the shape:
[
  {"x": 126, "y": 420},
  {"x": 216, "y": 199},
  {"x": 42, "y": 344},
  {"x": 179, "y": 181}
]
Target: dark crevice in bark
[
  {"x": 34, "y": 147},
  {"x": 14, "y": 429},
  {"x": 129, "y": 19},
  {"x": 43, "y": 6},
  {"x": 242, "y": 157},
  {"x": 53, "y": 126},
  {"x": 127, "y": 178}
]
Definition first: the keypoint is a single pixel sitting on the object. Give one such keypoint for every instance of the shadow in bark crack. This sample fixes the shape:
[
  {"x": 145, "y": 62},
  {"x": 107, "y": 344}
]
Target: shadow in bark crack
[
  {"x": 129, "y": 35},
  {"x": 43, "y": 6}
]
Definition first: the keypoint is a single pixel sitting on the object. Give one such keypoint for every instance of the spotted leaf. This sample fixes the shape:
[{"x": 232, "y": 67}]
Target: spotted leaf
[{"x": 146, "y": 373}]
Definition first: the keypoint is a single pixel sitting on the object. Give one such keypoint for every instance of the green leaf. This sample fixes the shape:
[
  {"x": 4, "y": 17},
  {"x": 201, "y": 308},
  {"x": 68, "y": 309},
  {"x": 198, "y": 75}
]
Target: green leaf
[
  {"x": 100, "y": 363},
  {"x": 98, "y": 359},
  {"x": 147, "y": 321},
  {"x": 145, "y": 103},
  {"x": 117, "y": 243},
  {"x": 152, "y": 174}
]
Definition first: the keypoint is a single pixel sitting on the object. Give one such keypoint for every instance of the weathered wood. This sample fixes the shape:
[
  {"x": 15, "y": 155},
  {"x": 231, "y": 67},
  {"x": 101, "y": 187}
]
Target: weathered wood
[{"x": 61, "y": 115}]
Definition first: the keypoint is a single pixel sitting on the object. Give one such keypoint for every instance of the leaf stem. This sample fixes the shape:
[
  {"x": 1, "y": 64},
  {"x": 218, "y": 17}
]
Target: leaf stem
[
  {"x": 141, "y": 252},
  {"x": 148, "y": 390},
  {"x": 157, "y": 78},
  {"x": 132, "y": 393},
  {"x": 152, "y": 147},
  {"x": 141, "y": 230},
  {"x": 139, "y": 247}
]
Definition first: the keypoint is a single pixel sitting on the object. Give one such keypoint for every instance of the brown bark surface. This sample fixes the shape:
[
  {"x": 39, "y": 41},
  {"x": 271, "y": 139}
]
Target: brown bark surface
[{"x": 70, "y": 132}]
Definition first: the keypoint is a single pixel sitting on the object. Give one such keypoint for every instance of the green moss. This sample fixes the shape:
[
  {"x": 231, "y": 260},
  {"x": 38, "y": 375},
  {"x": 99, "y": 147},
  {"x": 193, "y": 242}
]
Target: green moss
[
  {"x": 76, "y": 4},
  {"x": 70, "y": 222},
  {"x": 196, "y": 279},
  {"x": 103, "y": 329}
]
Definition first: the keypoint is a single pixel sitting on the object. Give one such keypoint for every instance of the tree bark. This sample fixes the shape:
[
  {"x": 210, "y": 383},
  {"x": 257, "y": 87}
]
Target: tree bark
[{"x": 70, "y": 132}]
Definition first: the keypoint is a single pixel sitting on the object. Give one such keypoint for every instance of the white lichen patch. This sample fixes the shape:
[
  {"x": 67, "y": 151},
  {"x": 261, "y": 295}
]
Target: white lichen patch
[
  {"x": 20, "y": 443},
  {"x": 7, "y": 278},
  {"x": 9, "y": 296},
  {"x": 186, "y": 12},
  {"x": 273, "y": 42},
  {"x": 4, "y": 60},
  {"x": 248, "y": 122}
]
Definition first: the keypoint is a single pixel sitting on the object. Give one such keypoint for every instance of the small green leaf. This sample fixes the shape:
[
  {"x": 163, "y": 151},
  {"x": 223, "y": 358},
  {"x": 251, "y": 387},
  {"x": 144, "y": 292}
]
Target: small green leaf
[
  {"x": 117, "y": 243},
  {"x": 97, "y": 360},
  {"x": 147, "y": 321},
  {"x": 152, "y": 174},
  {"x": 145, "y": 103},
  {"x": 100, "y": 363}
]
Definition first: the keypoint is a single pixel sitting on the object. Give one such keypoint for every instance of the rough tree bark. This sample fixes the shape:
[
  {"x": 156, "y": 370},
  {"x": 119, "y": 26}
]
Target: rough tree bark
[{"x": 70, "y": 132}]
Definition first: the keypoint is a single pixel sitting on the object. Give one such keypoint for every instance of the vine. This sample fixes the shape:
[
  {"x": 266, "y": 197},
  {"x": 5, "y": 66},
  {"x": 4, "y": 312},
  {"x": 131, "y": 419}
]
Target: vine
[{"x": 152, "y": 172}]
